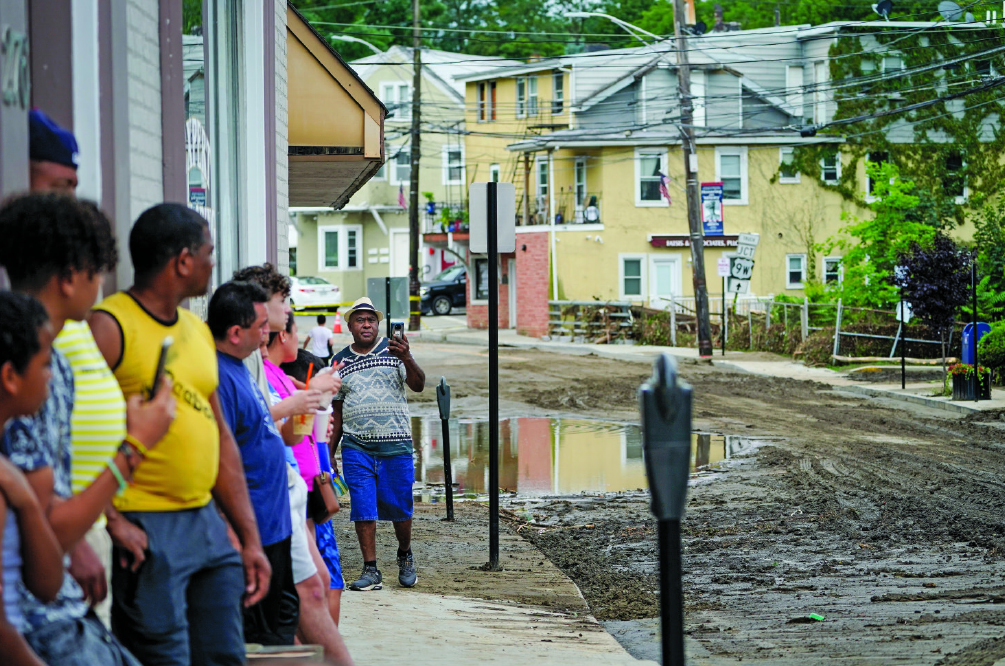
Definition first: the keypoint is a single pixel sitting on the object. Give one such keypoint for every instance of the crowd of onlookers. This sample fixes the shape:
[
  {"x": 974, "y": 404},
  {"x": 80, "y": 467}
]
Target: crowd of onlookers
[{"x": 167, "y": 484}]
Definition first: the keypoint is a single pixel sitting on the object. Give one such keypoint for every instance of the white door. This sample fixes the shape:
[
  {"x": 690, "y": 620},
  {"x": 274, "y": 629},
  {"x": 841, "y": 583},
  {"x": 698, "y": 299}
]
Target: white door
[
  {"x": 664, "y": 280},
  {"x": 511, "y": 271},
  {"x": 399, "y": 253}
]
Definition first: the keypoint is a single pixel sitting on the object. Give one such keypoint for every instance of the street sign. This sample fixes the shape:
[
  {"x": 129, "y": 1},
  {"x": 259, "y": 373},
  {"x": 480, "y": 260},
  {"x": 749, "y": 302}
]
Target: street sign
[
  {"x": 711, "y": 208},
  {"x": 748, "y": 239},
  {"x": 505, "y": 218},
  {"x": 904, "y": 311},
  {"x": 723, "y": 266},
  {"x": 741, "y": 268},
  {"x": 735, "y": 286}
]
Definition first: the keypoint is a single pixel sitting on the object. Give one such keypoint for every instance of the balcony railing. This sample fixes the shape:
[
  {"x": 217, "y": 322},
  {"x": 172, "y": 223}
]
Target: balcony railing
[
  {"x": 543, "y": 113},
  {"x": 440, "y": 217},
  {"x": 568, "y": 209}
]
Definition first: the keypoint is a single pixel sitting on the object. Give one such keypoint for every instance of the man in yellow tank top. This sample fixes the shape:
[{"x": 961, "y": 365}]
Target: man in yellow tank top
[{"x": 182, "y": 603}]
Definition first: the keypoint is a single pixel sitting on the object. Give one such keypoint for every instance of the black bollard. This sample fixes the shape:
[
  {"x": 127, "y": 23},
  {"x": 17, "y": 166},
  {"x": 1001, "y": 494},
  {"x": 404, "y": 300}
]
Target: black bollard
[
  {"x": 665, "y": 406},
  {"x": 443, "y": 402}
]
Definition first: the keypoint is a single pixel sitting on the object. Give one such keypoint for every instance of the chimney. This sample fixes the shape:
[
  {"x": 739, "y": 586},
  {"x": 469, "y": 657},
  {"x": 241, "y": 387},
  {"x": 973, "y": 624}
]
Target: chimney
[{"x": 719, "y": 25}]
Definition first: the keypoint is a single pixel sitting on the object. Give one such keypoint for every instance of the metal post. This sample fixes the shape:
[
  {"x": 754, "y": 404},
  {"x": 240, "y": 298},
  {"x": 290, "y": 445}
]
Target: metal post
[
  {"x": 492, "y": 198},
  {"x": 671, "y": 594},
  {"x": 903, "y": 359},
  {"x": 750, "y": 327},
  {"x": 837, "y": 331},
  {"x": 443, "y": 401},
  {"x": 673, "y": 321},
  {"x": 973, "y": 332},
  {"x": 690, "y": 149},
  {"x": 767, "y": 319},
  {"x": 387, "y": 304},
  {"x": 722, "y": 333},
  {"x": 805, "y": 319}
]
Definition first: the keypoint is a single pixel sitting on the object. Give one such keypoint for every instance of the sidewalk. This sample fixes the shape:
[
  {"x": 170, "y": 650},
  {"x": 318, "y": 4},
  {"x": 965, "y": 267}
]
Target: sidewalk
[{"x": 915, "y": 392}]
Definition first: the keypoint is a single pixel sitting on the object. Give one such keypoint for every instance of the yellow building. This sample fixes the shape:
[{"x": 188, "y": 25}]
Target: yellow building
[
  {"x": 585, "y": 137},
  {"x": 368, "y": 235}
]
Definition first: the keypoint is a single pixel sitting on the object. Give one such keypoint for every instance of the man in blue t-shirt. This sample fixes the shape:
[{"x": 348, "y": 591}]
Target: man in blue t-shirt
[
  {"x": 238, "y": 321},
  {"x": 371, "y": 420}
]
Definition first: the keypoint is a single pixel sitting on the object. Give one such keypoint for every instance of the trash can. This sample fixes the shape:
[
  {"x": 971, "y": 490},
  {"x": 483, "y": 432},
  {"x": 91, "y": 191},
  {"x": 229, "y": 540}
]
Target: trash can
[{"x": 969, "y": 343}]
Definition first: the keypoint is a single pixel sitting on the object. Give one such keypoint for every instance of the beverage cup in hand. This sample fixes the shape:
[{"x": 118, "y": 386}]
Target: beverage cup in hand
[
  {"x": 303, "y": 424},
  {"x": 321, "y": 424}
]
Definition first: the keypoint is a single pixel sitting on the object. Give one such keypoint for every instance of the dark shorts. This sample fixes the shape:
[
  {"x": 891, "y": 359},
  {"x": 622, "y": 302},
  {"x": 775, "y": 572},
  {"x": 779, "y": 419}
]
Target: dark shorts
[
  {"x": 183, "y": 606},
  {"x": 380, "y": 488},
  {"x": 328, "y": 548},
  {"x": 273, "y": 620}
]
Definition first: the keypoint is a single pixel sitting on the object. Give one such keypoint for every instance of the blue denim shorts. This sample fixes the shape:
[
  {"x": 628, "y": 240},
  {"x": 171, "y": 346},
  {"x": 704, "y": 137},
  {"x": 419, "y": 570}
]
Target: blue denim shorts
[{"x": 379, "y": 488}]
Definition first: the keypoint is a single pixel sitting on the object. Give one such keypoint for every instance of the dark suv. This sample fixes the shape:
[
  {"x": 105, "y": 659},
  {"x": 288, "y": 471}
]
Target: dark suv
[{"x": 445, "y": 291}]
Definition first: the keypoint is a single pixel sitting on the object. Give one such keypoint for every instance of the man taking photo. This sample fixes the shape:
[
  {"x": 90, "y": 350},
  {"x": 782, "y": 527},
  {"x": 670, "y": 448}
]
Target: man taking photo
[{"x": 371, "y": 420}]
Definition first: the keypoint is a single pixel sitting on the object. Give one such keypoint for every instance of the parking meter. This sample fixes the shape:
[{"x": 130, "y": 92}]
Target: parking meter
[
  {"x": 665, "y": 403},
  {"x": 443, "y": 398},
  {"x": 443, "y": 402}
]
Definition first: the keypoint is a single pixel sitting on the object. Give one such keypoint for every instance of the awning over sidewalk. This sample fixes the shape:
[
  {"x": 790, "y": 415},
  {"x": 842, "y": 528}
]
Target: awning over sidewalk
[{"x": 336, "y": 123}]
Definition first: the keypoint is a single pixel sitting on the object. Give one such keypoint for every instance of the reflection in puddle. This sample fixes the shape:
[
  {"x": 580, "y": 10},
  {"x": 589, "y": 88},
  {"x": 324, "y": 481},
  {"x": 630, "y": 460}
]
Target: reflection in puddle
[{"x": 544, "y": 456}]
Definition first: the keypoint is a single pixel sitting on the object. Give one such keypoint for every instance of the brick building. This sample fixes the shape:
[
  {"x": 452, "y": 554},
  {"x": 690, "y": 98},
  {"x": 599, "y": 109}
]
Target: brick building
[{"x": 523, "y": 286}]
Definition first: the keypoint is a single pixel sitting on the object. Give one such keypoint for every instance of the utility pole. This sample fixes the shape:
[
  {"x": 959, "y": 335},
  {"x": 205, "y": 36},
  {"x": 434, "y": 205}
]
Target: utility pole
[
  {"x": 691, "y": 171},
  {"x": 413, "y": 184}
]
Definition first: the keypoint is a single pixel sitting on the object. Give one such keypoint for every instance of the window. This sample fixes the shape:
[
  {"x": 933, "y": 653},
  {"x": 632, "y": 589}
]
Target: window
[
  {"x": 878, "y": 158},
  {"x": 830, "y": 168},
  {"x": 631, "y": 267},
  {"x": 985, "y": 69},
  {"x": 795, "y": 272},
  {"x": 494, "y": 173},
  {"x": 401, "y": 166},
  {"x": 486, "y": 101},
  {"x": 521, "y": 97},
  {"x": 786, "y": 167},
  {"x": 832, "y": 270},
  {"x": 339, "y": 247},
  {"x": 731, "y": 170},
  {"x": 579, "y": 177},
  {"x": 892, "y": 64},
  {"x": 481, "y": 286},
  {"x": 794, "y": 90},
  {"x": 954, "y": 182},
  {"x": 558, "y": 93},
  {"x": 381, "y": 172},
  {"x": 542, "y": 178},
  {"x": 397, "y": 97},
  {"x": 453, "y": 165},
  {"x": 649, "y": 164},
  {"x": 531, "y": 96},
  {"x": 819, "y": 92}
]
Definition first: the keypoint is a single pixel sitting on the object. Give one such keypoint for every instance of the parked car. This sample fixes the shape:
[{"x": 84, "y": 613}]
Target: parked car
[
  {"x": 446, "y": 291},
  {"x": 312, "y": 292}
]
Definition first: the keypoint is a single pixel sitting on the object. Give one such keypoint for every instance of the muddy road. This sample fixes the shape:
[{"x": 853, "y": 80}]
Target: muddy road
[{"x": 886, "y": 519}]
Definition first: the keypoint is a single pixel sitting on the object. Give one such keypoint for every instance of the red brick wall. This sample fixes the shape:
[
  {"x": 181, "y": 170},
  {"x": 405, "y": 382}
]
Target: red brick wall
[{"x": 532, "y": 282}]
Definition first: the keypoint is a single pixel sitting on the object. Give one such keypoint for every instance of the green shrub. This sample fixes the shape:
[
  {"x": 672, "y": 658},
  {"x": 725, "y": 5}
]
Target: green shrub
[{"x": 991, "y": 351}]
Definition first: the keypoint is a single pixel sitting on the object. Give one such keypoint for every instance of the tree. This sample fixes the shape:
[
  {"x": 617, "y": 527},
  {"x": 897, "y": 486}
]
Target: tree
[
  {"x": 873, "y": 246},
  {"x": 936, "y": 281},
  {"x": 989, "y": 241}
]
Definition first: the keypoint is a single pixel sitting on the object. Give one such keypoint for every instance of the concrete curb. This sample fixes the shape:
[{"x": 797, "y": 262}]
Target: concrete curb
[{"x": 956, "y": 407}]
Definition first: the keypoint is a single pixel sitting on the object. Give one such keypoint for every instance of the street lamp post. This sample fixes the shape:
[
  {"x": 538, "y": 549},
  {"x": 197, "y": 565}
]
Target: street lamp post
[{"x": 690, "y": 150}]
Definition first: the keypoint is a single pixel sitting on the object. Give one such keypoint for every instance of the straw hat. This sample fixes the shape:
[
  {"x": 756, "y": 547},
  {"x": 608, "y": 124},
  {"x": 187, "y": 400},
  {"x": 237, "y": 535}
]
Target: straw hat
[{"x": 362, "y": 304}]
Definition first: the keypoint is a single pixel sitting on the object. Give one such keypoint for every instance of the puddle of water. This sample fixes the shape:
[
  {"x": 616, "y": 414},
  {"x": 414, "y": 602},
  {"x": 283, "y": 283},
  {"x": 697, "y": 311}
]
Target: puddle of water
[{"x": 545, "y": 456}]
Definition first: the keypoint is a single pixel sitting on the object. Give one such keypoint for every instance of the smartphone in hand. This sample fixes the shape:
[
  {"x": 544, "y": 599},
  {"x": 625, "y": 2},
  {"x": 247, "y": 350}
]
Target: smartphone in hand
[
  {"x": 161, "y": 362},
  {"x": 397, "y": 329}
]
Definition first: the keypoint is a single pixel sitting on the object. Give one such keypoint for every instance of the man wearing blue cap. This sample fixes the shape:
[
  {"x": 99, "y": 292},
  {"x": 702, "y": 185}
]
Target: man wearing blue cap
[{"x": 53, "y": 154}]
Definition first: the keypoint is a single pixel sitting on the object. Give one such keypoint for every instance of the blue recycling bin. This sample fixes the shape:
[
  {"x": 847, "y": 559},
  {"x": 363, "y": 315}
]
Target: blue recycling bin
[{"x": 969, "y": 343}]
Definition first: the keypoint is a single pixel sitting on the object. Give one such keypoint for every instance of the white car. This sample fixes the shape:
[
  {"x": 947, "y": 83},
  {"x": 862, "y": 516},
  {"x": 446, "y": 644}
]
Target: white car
[{"x": 313, "y": 292}]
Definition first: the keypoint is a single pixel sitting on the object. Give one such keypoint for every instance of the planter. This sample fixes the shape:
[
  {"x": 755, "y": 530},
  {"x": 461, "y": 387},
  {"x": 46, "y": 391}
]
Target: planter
[{"x": 963, "y": 387}]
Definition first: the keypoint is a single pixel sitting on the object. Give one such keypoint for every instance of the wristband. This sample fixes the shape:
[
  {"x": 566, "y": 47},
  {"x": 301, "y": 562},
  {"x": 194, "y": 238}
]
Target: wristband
[
  {"x": 114, "y": 469},
  {"x": 137, "y": 445}
]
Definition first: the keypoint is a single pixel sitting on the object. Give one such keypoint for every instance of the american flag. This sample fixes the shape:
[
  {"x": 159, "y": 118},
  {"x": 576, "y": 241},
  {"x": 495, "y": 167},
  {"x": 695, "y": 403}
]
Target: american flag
[
  {"x": 664, "y": 182},
  {"x": 401, "y": 196}
]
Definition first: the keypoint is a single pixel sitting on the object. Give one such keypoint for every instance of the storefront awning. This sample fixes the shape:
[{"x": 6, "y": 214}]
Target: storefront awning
[{"x": 336, "y": 123}]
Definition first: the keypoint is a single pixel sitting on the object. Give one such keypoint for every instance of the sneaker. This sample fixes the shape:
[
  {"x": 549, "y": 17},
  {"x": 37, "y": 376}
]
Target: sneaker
[
  {"x": 406, "y": 570},
  {"x": 369, "y": 580}
]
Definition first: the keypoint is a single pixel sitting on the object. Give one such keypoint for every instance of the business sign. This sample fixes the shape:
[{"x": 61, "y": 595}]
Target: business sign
[
  {"x": 711, "y": 208},
  {"x": 685, "y": 241},
  {"x": 197, "y": 196},
  {"x": 723, "y": 266}
]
